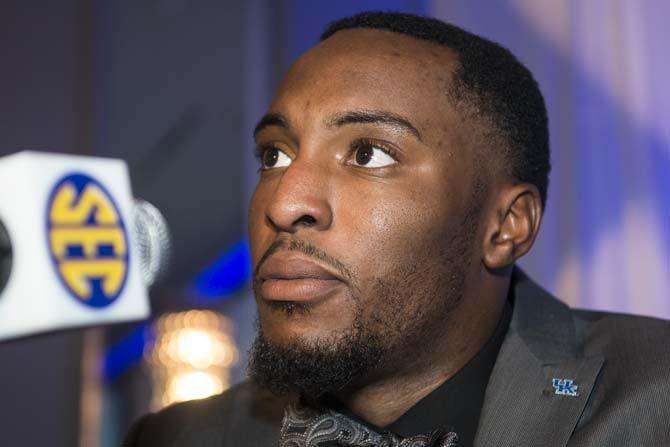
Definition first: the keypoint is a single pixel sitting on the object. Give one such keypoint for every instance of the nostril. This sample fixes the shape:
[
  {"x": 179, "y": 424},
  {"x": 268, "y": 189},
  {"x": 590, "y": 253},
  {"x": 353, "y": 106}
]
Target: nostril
[{"x": 305, "y": 219}]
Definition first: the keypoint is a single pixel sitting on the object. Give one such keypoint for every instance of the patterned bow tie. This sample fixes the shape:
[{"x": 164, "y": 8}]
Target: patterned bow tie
[{"x": 308, "y": 427}]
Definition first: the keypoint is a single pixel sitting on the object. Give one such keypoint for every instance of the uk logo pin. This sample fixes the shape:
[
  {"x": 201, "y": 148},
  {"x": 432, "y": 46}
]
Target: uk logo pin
[{"x": 564, "y": 387}]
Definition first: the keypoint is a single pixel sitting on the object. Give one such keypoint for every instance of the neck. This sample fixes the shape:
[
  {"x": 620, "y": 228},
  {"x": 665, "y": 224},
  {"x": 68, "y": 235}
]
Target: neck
[{"x": 470, "y": 326}]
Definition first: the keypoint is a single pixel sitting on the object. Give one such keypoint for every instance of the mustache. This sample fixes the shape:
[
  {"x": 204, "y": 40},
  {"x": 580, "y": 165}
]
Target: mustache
[{"x": 308, "y": 249}]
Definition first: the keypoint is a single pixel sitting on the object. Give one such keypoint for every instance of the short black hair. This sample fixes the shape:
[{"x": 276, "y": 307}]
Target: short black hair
[{"x": 489, "y": 79}]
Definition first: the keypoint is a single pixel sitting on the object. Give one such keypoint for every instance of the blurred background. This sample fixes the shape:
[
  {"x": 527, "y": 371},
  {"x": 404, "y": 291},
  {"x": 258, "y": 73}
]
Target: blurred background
[{"x": 175, "y": 87}]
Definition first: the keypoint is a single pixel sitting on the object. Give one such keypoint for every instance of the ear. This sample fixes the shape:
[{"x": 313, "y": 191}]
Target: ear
[{"x": 512, "y": 226}]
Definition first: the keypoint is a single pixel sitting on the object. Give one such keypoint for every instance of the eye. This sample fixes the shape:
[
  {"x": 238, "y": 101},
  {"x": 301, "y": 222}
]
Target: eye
[
  {"x": 371, "y": 155},
  {"x": 272, "y": 157}
]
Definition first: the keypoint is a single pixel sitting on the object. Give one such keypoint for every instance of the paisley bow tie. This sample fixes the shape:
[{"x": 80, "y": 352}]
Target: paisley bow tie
[{"x": 304, "y": 426}]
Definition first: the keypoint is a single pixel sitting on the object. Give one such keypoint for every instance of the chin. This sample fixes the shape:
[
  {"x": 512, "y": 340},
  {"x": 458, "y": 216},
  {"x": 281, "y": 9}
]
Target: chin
[{"x": 310, "y": 355}]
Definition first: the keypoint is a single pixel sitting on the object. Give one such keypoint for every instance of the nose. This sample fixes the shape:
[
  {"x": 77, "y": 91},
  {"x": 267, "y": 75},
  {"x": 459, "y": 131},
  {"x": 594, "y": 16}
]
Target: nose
[{"x": 300, "y": 200}]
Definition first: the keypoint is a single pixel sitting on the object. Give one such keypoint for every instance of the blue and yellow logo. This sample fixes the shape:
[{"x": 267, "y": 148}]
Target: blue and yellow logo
[{"x": 87, "y": 240}]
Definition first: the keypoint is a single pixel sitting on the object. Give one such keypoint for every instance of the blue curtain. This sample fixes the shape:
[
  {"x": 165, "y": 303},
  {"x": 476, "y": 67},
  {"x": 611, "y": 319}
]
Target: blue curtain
[{"x": 603, "y": 67}]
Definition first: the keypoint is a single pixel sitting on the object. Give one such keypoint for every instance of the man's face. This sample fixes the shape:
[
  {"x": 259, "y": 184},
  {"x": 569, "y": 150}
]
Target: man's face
[{"x": 362, "y": 220}]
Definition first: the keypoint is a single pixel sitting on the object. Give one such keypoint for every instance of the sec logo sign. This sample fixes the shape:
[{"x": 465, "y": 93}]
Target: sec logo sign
[{"x": 87, "y": 240}]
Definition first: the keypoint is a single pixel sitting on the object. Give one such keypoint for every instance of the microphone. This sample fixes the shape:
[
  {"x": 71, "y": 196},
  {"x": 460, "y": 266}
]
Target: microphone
[
  {"x": 5, "y": 256},
  {"x": 152, "y": 238},
  {"x": 153, "y": 241},
  {"x": 76, "y": 249}
]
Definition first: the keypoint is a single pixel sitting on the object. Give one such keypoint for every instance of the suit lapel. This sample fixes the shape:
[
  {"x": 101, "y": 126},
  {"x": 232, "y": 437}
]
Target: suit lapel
[{"x": 522, "y": 406}]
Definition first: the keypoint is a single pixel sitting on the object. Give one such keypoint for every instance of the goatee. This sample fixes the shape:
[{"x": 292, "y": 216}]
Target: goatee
[{"x": 314, "y": 369}]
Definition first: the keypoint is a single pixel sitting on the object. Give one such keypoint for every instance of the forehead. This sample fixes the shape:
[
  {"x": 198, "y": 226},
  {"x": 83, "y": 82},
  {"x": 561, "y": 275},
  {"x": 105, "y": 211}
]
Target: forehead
[{"x": 370, "y": 70}]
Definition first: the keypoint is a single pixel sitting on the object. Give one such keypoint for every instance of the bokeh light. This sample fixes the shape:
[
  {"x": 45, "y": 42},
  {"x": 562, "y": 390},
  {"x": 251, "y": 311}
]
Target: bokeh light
[{"x": 192, "y": 356}]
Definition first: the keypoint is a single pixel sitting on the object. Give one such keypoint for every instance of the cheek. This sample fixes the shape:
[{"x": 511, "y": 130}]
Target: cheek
[
  {"x": 386, "y": 229},
  {"x": 260, "y": 234}
]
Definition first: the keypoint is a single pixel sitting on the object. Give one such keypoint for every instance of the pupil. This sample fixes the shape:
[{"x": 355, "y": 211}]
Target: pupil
[
  {"x": 364, "y": 155},
  {"x": 270, "y": 157}
]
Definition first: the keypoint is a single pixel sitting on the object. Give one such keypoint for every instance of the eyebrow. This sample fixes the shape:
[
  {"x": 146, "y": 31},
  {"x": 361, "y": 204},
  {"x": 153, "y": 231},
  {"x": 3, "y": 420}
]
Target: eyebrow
[
  {"x": 344, "y": 118},
  {"x": 271, "y": 119},
  {"x": 374, "y": 117}
]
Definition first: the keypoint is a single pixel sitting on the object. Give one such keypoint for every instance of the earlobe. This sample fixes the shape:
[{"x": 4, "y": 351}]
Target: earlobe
[{"x": 513, "y": 226}]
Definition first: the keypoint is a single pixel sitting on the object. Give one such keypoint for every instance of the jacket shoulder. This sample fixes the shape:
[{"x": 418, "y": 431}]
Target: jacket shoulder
[
  {"x": 635, "y": 348},
  {"x": 242, "y": 415},
  {"x": 633, "y": 388},
  {"x": 621, "y": 335}
]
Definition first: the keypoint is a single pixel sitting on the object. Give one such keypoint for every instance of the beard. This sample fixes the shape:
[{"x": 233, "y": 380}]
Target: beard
[
  {"x": 406, "y": 311},
  {"x": 317, "y": 368}
]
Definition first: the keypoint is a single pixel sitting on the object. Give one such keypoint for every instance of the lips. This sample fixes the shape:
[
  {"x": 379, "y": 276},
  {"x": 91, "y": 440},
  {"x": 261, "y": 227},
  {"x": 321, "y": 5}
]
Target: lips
[{"x": 290, "y": 276}]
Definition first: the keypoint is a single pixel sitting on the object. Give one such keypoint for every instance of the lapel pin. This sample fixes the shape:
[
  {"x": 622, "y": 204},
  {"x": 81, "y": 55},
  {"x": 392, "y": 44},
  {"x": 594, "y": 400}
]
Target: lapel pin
[{"x": 564, "y": 387}]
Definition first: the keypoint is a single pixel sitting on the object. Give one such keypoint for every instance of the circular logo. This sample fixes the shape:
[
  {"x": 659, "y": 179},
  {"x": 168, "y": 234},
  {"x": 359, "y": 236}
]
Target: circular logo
[{"x": 87, "y": 240}]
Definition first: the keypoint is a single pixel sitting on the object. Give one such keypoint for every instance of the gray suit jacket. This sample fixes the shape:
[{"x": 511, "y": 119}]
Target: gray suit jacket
[{"x": 611, "y": 387}]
